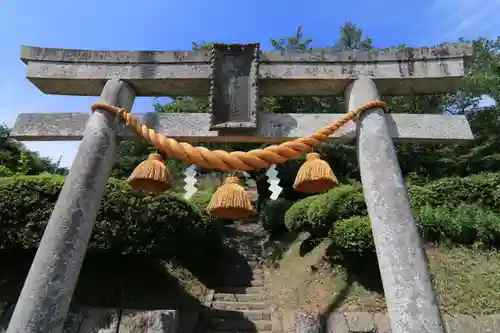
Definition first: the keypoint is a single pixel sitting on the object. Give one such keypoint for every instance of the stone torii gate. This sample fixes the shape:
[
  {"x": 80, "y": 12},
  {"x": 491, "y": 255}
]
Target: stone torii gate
[{"x": 234, "y": 76}]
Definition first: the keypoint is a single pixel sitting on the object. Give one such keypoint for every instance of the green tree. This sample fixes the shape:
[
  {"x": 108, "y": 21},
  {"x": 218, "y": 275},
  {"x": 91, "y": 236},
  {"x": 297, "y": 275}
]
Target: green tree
[
  {"x": 420, "y": 162},
  {"x": 16, "y": 159},
  {"x": 351, "y": 38}
]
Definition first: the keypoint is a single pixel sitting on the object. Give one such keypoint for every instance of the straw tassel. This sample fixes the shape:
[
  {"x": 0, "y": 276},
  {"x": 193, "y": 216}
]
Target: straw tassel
[
  {"x": 230, "y": 201},
  {"x": 151, "y": 175},
  {"x": 315, "y": 176}
]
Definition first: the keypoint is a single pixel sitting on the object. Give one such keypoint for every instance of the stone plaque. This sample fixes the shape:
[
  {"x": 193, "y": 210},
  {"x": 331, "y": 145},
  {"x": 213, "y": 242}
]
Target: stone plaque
[{"x": 234, "y": 86}]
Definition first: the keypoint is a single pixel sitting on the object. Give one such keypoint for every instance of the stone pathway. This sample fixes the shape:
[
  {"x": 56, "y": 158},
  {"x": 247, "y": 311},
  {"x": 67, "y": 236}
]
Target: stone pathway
[
  {"x": 88, "y": 320},
  {"x": 365, "y": 322},
  {"x": 238, "y": 303}
]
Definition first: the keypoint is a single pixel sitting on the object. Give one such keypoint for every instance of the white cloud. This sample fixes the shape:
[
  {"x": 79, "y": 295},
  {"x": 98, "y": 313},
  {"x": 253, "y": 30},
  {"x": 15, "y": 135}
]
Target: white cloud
[{"x": 451, "y": 19}]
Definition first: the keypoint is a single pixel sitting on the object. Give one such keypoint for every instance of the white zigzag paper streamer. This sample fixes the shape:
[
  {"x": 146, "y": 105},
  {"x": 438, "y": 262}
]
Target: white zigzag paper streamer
[
  {"x": 273, "y": 180},
  {"x": 190, "y": 180}
]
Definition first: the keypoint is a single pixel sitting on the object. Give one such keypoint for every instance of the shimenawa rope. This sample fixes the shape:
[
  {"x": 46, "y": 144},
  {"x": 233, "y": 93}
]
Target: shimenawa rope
[{"x": 236, "y": 160}]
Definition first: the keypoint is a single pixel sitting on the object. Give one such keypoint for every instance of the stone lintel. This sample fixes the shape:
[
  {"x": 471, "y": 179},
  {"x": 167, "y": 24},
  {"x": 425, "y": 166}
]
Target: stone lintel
[
  {"x": 286, "y": 79},
  {"x": 317, "y": 72},
  {"x": 445, "y": 51},
  {"x": 194, "y": 127}
]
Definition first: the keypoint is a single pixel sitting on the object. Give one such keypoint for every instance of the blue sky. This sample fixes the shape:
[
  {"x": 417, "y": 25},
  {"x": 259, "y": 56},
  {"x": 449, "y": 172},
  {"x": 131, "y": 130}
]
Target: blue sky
[{"x": 172, "y": 25}]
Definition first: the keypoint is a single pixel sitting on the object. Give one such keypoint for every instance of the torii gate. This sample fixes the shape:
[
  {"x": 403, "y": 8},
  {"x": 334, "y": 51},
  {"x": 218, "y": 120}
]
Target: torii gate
[{"x": 119, "y": 76}]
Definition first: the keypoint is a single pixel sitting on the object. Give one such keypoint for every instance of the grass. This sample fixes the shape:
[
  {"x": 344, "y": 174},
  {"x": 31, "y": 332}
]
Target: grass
[{"x": 466, "y": 280}]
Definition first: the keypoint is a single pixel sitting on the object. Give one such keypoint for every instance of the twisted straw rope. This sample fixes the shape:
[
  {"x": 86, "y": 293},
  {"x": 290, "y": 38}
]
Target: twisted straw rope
[{"x": 236, "y": 160}]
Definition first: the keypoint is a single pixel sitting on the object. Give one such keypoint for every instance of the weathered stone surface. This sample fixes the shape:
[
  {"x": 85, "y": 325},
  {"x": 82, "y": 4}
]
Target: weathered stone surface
[
  {"x": 234, "y": 89},
  {"x": 158, "y": 73},
  {"x": 382, "y": 323},
  {"x": 32, "y": 53},
  {"x": 336, "y": 323},
  {"x": 489, "y": 324},
  {"x": 461, "y": 324},
  {"x": 410, "y": 297},
  {"x": 159, "y": 321},
  {"x": 307, "y": 322},
  {"x": 194, "y": 127},
  {"x": 96, "y": 321},
  {"x": 79, "y": 320},
  {"x": 46, "y": 294},
  {"x": 360, "y": 322},
  {"x": 275, "y": 80}
]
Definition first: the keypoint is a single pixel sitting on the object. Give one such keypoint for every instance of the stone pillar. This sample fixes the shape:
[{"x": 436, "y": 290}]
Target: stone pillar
[
  {"x": 411, "y": 301},
  {"x": 49, "y": 286}
]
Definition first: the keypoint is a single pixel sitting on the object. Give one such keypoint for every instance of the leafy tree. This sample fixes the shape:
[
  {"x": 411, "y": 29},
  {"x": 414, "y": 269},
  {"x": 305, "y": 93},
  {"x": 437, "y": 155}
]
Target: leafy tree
[
  {"x": 292, "y": 43},
  {"x": 350, "y": 38},
  {"x": 419, "y": 162},
  {"x": 15, "y": 159}
]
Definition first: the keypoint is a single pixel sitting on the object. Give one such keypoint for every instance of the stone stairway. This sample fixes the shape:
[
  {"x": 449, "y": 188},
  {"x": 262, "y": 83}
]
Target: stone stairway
[{"x": 238, "y": 304}]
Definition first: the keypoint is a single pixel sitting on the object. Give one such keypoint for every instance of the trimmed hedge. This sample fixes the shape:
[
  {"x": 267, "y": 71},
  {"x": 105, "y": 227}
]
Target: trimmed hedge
[
  {"x": 481, "y": 190},
  {"x": 337, "y": 204},
  {"x": 462, "y": 225},
  {"x": 351, "y": 237},
  {"x": 465, "y": 224},
  {"x": 164, "y": 226},
  {"x": 452, "y": 210},
  {"x": 296, "y": 217},
  {"x": 273, "y": 216}
]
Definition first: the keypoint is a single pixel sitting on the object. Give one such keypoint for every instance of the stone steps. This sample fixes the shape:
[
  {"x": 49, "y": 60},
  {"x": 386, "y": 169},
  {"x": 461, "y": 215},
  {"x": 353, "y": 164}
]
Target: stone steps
[
  {"x": 239, "y": 306},
  {"x": 238, "y": 297},
  {"x": 238, "y": 290},
  {"x": 241, "y": 268},
  {"x": 229, "y": 282},
  {"x": 238, "y": 314},
  {"x": 238, "y": 324}
]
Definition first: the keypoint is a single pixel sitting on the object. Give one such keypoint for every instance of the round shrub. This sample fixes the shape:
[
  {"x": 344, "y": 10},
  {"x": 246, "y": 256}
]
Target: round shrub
[
  {"x": 165, "y": 225},
  {"x": 273, "y": 216},
  {"x": 351, "y": 237},
  {"x": 337, "y": 204},
  {"x": 296, "y": 216}
]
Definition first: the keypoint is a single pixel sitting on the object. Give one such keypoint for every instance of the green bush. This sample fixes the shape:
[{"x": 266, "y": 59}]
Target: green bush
[
  {"x": 465, "y": 224},
  {"x": 337, "y": 204},
  {"x": 165, "y": 225},
  {"x": 481, "y": 190},
  {"x": 296, "y": 216},
  {"x": 201, "y": 199},
  {"x": 488, "y": 230},
  {"x": 351, "y": 237},
  {"x": 445, "y": 223},
  {"x": 273, "y": 216},
  {"x": 452, "y": 210},
  {"x": 421, "y": 196}
]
